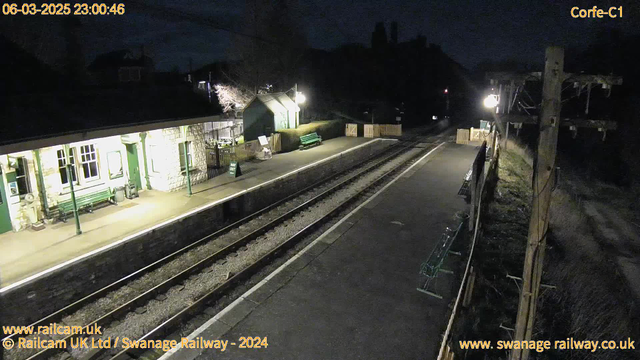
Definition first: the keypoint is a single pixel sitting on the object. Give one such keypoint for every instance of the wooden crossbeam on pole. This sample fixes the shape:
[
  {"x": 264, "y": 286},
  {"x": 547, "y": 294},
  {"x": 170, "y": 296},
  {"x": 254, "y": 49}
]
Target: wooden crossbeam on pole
[
  {"x": 583, "y": 123},
  {"x": 542, "y": 187},
  {"x": 521, "y": 78}
]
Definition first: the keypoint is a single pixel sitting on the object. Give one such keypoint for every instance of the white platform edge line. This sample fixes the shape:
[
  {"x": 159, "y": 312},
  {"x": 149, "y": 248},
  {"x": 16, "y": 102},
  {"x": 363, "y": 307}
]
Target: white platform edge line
[
  {"x": 174, "y": 219},
  {"x": 242, "y": 297}
]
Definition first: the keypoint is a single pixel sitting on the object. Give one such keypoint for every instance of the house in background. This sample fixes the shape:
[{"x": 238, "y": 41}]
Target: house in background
[
  {"x": 267, "y": 113},
  {"x": 121, "y": 66}
]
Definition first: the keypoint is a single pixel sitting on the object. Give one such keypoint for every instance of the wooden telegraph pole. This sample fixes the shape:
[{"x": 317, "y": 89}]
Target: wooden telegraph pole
[{"x": 542, "y": 185}]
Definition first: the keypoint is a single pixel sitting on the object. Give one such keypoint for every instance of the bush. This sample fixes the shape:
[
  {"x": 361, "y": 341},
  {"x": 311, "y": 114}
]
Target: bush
[{"x": 328, "y": 129}]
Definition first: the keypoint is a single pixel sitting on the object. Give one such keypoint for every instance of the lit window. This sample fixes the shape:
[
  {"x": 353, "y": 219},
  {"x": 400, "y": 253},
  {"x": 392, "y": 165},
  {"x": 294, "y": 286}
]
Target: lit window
[
  {"x": 62, "y": 167},
  {"x": 126, "y": 74},
  {"x": 22, "y": 176},
  {"x": 181, "y": 150},
  {"x": 89, "y": 161}
]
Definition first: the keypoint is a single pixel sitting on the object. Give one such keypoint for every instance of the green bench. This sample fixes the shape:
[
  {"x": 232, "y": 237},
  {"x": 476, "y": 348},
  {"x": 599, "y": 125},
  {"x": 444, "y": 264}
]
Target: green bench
[
  {"x": 433, "y": 265},
  {"x": 310, "y": 140},
  {"x": 85, "y": 201}
]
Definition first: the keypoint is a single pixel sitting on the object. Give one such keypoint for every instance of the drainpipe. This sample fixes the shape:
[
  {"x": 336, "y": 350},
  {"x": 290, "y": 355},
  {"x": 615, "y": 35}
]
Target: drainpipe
[
  {"x": 43, "y": 191},
  {"x": 73, "y": 194},
  {"x": 143, "y": 138}
]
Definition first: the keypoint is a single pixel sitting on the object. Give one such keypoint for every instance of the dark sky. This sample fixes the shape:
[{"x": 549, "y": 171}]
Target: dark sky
[{"x": 469, "y": 31}]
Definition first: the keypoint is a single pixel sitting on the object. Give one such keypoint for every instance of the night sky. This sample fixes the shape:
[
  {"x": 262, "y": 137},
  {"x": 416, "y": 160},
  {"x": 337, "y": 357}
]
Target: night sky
[{"x": 469, "y": 31}]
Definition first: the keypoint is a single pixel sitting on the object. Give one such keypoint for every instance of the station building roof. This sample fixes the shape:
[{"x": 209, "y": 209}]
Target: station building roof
[{"x": 276, "y": 102}]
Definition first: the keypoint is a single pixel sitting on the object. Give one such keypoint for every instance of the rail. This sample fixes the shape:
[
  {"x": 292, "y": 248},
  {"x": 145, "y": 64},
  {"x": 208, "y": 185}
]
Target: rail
[{"x": 475, "y": 225}]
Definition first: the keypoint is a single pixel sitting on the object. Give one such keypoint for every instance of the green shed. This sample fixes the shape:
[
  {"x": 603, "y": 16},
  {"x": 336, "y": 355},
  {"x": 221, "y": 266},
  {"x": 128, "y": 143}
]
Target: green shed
[{"x": 267, "y": 113}]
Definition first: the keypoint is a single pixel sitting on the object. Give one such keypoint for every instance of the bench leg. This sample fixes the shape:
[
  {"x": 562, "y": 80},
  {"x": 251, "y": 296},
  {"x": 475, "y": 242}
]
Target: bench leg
[{"x": 430, "y": 293}]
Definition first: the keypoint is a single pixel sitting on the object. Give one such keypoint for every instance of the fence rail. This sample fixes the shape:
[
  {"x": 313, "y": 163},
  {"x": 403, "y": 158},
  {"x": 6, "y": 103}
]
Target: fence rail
[{"x": 477, "y": 207}]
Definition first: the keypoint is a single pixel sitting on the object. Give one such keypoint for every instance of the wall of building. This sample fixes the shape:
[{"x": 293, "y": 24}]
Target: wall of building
[
  {"x": 256, "y": 118},
  {"x": 41, "y": 296},
  {"x": 163, "y": 158},
  {"x": 18, "y": 206},
  {"x": 163, "y": 161}
]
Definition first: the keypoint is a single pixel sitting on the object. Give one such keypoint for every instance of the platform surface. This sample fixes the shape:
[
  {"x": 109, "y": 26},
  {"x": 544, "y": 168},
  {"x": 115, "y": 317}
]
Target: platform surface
[
  {"x": 25, "y": 253},
  {"x": 352, "y": 293}
]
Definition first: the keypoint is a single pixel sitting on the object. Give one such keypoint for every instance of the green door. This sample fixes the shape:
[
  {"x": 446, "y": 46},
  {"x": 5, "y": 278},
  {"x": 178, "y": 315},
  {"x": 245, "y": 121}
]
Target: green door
[
  {"x": 134, "y": 168},
  {"x": 5, "y": 219}
]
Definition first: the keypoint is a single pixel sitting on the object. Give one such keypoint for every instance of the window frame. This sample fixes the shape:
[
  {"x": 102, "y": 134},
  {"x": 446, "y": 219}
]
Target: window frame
[
  {"x": 119, "y": 174},
  {"x": 181, "y": 145},
  {"x": 87, "y": 159},
  {"x": 74, "y": 168},
  {"x": 27, "y": 181}
]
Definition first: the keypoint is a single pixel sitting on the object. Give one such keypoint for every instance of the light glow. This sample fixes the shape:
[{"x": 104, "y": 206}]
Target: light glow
[
  {"x": 300, "y": 98},
  {"x": 491, "y": 101}
]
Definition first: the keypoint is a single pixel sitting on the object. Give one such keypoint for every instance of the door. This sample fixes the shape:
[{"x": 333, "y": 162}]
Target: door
[
  {"x": 5, "y": 219},
  {"x": 134, "y": 168}
]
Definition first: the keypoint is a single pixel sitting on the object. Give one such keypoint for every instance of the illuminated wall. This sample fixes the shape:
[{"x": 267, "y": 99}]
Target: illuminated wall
[{"x": 109, "y": 168}]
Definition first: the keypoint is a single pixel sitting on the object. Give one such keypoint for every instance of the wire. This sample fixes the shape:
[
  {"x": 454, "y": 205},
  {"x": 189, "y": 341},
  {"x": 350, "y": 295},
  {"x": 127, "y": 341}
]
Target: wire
[{"x": 166, "y": 11}]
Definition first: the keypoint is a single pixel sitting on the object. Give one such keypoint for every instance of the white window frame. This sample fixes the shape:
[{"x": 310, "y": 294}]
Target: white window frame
[
  {"x": 183, "y": 167},
  {"x": 63, "y": 167},
  {"x": 88, "y": 155},
  {"x": 25, "y": 164},
  {"x": 110, "y": 166}
]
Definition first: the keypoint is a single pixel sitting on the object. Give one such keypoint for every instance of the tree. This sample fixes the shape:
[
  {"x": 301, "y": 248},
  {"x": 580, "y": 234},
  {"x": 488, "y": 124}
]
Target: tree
[
  {"x": 231, "y": 98},
  {"x": 271, "y": 53}
]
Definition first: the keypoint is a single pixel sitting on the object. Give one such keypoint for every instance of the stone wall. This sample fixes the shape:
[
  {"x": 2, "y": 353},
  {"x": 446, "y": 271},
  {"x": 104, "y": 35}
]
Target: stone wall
[
  {"x": 164, "y": 153},
  {"x": 41, "y": 296}
]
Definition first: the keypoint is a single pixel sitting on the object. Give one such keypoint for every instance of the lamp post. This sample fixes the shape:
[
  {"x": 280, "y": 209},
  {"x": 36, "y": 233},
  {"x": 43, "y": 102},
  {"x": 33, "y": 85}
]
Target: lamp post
[
  {"x": 446, "y": 94},
  {"x": 73, "y": 194},
  {"x": 185, "y": 130},
  {"x": 298, "y": 98}
]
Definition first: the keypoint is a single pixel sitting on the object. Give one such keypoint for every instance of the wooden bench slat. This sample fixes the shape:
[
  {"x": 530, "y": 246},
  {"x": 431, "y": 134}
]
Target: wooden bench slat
[
  {"x": 84, "y": 201},
  {"x": 310, "y": 139}
]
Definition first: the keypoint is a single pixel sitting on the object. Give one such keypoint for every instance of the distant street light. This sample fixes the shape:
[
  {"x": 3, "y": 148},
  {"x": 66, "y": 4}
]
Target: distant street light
[{"x": 491, "y": 101}]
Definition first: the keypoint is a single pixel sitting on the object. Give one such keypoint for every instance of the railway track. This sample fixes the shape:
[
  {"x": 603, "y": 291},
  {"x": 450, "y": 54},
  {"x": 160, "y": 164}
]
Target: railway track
[{"x": 224, "y": 268}]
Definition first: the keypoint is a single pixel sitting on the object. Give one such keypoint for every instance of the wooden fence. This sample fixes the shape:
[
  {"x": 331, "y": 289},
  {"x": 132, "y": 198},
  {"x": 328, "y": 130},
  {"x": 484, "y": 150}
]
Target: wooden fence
[
  {"x": 240, "y": 152},
  {"x": 351, "y": 130},
  {"x": 371, "y": 130},
  {"x": 390, "y": 130},
  {"x": 377, "y": 130},
  {"x": 462, "y": 137},
  {"x": 478, "y": 205}
]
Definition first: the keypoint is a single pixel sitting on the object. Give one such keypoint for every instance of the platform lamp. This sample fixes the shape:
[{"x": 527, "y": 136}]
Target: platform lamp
[
  {"x": 69, "y": 168},
  {"x": 184, "y": 129}
]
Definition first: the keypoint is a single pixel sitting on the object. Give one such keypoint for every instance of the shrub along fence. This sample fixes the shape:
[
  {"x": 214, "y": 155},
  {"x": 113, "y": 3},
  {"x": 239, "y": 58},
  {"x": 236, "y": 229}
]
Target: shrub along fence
[
  {"x": 480, "y": 187},
  {"x": 328, "y": 129}
]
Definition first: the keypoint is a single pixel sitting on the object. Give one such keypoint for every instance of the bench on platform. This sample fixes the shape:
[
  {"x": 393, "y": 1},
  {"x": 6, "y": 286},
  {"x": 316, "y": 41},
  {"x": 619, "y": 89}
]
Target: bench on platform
[
  {"x": 433, "y": 265},
  {"x": 85, "y": 201},
  {"x": 310, "y": 140}
]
